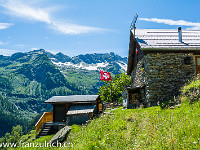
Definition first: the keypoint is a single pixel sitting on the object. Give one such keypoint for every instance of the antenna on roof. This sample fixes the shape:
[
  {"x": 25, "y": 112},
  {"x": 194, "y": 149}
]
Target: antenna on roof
[
  {"x": 133, "y": 25},
  {"x": 133, "y": 22}
]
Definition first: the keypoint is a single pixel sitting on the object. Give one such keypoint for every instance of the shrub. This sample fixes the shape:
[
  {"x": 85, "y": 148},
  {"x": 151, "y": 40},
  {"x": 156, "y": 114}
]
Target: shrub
[{"x": 191, "y": 91}]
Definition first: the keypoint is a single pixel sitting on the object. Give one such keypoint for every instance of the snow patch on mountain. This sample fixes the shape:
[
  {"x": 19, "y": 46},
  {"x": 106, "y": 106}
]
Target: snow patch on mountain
[
  {"x": 82, "y": 65},
  {"x": 122, "y": 65}
]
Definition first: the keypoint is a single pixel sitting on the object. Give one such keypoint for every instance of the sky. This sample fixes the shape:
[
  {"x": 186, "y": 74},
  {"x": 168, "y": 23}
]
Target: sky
[{"x": 76, "y": 27}]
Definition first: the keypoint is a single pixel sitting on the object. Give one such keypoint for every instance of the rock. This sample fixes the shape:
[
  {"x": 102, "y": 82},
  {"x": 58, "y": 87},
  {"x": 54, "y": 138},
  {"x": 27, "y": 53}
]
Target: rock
[{"x": 60, "y": 136}]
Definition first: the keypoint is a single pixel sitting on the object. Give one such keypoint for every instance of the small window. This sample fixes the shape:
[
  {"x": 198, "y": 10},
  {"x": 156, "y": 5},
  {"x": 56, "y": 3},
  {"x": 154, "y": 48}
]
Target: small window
[
  {"x": 198, "y": 61},
  {"x": 187, "y": 60}
]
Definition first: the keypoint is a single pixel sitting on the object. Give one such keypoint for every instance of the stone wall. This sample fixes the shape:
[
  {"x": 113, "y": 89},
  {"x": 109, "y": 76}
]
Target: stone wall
[
  {"x": 138, "y": 81},
  {"x": 137, "y": 75},
  {"x": 165, "y": 74}
]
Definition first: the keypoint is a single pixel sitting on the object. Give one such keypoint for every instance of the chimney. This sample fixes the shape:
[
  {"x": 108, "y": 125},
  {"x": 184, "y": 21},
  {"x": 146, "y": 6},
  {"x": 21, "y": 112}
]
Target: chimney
[{"x": 180, "y": 34}]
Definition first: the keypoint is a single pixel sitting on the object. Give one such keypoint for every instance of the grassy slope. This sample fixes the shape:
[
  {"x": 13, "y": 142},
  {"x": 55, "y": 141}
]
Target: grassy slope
[
  {"x": 150, "y": 128},
  {"x": 28, "y": 140}
]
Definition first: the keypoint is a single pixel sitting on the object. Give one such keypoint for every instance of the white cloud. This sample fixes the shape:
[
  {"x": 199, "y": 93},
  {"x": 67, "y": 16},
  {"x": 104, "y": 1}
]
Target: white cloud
[
  {"x": 20, "y": 45},
  {"x": 193, "y": 25},
  {"x": 194, "y": 28},
  {"x": 5, "y": 25},
  {"x": 74, "y": 28},
  {"x": 3, "y": 43},
  {"x": 7, "y": 52},
  {"x": 20, "y": 9}
]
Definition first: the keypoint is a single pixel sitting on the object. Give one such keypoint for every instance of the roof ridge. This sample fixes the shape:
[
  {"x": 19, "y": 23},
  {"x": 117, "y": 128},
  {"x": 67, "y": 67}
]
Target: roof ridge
[{"x": 168, "y": 29}]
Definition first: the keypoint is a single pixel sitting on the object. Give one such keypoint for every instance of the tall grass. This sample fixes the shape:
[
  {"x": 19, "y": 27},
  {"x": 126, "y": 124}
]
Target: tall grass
[
  {"x": 191, "y": 91},
  {"x": 27, "y": 142},
  {"x": 150, "y": 128}
]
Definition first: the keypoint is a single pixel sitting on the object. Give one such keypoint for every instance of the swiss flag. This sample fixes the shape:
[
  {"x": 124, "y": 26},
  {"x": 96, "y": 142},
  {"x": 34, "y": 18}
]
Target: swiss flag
[{"x": 105, "y": 76}]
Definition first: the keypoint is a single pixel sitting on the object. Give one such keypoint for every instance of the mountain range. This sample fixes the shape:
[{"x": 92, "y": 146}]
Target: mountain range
[
  {"x": 88, "y": 61},
  {"x": 27, "y": 79}
]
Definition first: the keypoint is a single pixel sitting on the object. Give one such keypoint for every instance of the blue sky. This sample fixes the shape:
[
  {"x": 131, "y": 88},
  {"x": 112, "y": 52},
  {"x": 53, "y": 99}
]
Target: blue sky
[{"x": 87, "y": 26}]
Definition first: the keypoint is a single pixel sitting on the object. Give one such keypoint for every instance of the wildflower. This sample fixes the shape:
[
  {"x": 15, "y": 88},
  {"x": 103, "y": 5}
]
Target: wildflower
[{"x": 195, "y": 142}]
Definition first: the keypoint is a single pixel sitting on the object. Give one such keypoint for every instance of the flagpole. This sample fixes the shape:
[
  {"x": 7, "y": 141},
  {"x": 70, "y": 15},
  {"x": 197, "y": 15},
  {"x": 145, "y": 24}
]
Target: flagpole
[
  {"x": 99, "y": 78},
  {"x": 99, "y": 82},
  {"x": 106, "y": 77},
  {"x": 111, "y": 91},
  {"x": 111, "y": 97}
]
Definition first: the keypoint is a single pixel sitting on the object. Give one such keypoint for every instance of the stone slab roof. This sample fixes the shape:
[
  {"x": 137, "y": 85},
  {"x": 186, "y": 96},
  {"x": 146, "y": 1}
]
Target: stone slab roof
[
  {"x": 72, "y": 98},
  {"x": 167, "y": 38},
  {"x": 80, "y": 109}
]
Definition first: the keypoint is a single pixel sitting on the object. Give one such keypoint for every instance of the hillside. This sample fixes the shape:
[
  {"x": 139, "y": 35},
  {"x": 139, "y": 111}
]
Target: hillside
[
  {"x": 27, "y": 79},
  {"x": 149, "y": 128},
  {"x": 34, "y": 72},
  {"x": 25, "y": 82}
]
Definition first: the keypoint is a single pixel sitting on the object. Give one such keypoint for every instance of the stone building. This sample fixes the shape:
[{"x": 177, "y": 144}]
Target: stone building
[{"x": 160, "y": 62}]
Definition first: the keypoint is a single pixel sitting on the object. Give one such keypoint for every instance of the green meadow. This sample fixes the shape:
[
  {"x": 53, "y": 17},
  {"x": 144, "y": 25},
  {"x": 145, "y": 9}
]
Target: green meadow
[{"x": 150, "y": 128}]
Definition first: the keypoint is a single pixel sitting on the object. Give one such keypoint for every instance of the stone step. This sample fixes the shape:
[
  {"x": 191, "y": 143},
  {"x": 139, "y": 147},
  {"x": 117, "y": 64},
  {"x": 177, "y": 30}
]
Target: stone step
[
  {"x": 48, "y": 125},
  {"x": 49, "y": 122},
  {"x": 43, "y": 133},
  {"x": 46, "y": 129}
]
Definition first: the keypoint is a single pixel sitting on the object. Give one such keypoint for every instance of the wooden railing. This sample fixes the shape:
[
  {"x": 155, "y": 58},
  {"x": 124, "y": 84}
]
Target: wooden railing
[{"x": 46, "y": 117}]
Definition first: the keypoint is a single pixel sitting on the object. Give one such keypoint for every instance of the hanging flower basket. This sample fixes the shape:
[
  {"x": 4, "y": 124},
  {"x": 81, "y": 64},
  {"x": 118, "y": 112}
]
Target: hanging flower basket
[{"x": 142, "y": 70}]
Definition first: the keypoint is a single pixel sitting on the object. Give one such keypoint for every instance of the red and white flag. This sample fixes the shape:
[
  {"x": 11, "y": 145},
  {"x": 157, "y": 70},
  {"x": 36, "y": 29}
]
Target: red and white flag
[
  {"x": 105, "y": 76},
  {"x": 136, "y": 50}
]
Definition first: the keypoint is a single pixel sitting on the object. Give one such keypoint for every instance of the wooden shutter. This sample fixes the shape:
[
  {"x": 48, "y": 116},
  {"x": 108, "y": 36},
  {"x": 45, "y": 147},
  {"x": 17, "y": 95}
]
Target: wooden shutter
[{"x": 197, "y": 62}]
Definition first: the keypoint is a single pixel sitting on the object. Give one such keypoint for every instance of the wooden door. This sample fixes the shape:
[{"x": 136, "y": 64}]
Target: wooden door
[
  {"x": 197, "y": 63},
  {"x": 59, "y": 113}
]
